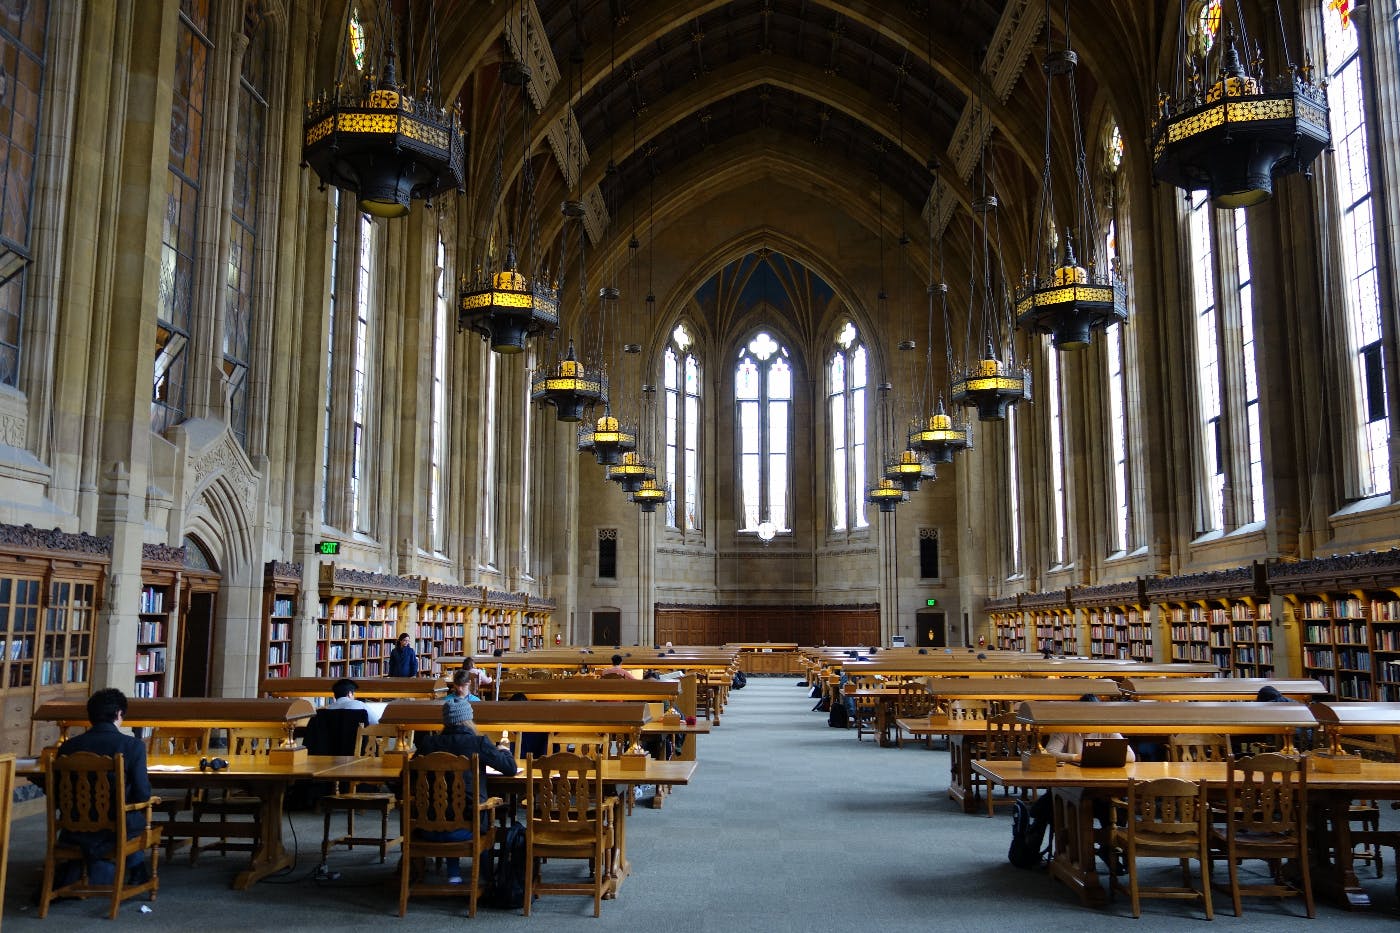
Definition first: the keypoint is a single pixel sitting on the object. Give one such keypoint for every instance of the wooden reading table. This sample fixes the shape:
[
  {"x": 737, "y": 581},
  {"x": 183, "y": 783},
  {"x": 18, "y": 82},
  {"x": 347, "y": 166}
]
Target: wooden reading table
[
  {"x": 367, "y": 688},
  {"x": 268, "y": 777},
  {"x": 1218, "y": 688}
]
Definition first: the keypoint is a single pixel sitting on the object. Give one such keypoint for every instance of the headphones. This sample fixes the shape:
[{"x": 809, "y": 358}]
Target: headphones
[{"x": 213, "y": 764}]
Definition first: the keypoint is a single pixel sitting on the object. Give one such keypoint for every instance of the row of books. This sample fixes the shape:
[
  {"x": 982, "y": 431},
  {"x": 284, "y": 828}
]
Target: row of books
[{"x": 153, "y": 599}]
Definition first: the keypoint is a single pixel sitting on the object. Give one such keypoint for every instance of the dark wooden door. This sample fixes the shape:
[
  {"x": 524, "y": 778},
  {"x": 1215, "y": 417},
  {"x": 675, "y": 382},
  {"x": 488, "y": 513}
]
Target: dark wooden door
[
  {"x": 607, "y": 628},
  {"x": 932, "y": 628},
  {"x": 196, "y": 644}
]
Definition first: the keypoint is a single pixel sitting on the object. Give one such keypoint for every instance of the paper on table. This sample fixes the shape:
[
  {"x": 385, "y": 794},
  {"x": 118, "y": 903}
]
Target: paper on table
[
  {"x": 169, "y": 768},
  {"x": 491, "y": 770}
]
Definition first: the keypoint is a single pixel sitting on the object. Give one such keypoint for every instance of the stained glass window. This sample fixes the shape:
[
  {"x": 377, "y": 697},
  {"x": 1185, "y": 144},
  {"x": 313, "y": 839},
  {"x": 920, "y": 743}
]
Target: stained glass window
[
  {"x": 681, "y": 380},
  {"x": 763, "y": 394},
  {"x": 846, "y": 410}
]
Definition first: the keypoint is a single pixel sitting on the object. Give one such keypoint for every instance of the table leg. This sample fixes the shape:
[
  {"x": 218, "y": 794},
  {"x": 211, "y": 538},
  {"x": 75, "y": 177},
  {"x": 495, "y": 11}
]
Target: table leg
[
  {"x": 961, "y": 750},
  {"x": 1334, "y": 874},
  {"x": 269, "y": 855},
  {"x": 1073, "y": 862}
]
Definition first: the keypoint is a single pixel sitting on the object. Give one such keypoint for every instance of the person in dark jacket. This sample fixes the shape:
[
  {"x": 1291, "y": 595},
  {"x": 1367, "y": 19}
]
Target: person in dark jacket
[
  {"x": 403, "y": 660},
  {"x": 459, "y": 738},
  {"x": 105, "y": 710}
]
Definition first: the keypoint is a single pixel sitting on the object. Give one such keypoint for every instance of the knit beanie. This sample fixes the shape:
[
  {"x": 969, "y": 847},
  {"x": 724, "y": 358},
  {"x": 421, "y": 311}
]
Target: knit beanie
[{"x": 456, "y": 711}]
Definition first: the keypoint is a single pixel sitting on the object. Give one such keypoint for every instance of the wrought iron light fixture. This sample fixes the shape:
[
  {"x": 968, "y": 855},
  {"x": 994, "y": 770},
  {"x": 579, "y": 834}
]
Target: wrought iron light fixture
[
  {"x": 1233, "y": 137},
  {"x": 632, "y": 471},
  {"x": 909, "y": 470},
  {"x": 886, "y": 494},
  {"x": 506, "y": 307},
  {"x": 939, "y": 436},
  {"x": 1064, "y": 299},
  {"x": 569, "y": 386},
  {"x": 649, "y": 495},
  {"x": 369, "y": 136},
  {"x": 607, "y": 440}
]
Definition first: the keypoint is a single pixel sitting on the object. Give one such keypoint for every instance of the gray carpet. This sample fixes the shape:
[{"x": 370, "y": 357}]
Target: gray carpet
[{"x": 789, "y": 826}]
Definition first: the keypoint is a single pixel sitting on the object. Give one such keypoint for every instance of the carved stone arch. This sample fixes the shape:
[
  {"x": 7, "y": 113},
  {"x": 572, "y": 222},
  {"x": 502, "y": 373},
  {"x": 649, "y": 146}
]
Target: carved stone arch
[
  {"x": 219, "y": 520},
  {"x": 221, "y": 490}
]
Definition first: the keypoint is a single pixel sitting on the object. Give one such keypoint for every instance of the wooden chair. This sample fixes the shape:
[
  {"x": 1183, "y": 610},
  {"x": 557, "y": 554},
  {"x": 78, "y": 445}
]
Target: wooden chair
[
  {"x": 1266, "y": 818},
  {"x": 223, "y": 803},
  {"x": 1193, "y": 747},
  {"x": 1005, "y": 740},
  {"x": 569, "y": 818},
  {"x": 351, "y": 797},
  {"x": 865, "y": 711},
  {"x": 87, "y": 795},
  {"x": 168, "y": 742},
  {"x": 914, "y": 702},
  {"x": 1166, "y": 818},
  {"x": 441, "y": 795}
]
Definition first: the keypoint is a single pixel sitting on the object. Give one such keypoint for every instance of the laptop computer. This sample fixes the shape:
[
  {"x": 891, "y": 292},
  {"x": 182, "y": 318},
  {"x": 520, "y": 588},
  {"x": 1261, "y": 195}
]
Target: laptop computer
[{"x": 1104, "y": 753}]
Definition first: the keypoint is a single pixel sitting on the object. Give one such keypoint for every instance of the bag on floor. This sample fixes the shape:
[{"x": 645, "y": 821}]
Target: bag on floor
[
  {"x": 838, "y": 717},
  {"x": 1027, "y": 837},
  {"x": 816, "y": 691},
  {"x": 823, "y": 705},
  {"x": 739, "y": 682},
  {"x": 505, "y": 890}
]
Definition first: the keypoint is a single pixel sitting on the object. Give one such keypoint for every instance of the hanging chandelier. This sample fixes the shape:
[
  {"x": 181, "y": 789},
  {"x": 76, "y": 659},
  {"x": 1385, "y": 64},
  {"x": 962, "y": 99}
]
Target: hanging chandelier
[
  {"x": 909, "y": 469},
  {"x": 886, "y": 494},
  {"x": 506, "y": 307},
  {"x": 569, "y": 386},
  {"x": 606, "y": 440},
  {"x": 1064, "y": 299},
  {"x": 369, "y": 136},
  {"x": 649, "y": 495},
  {"x": 632, "y": 471},
  {"x": 939, "y": 437},
  {"x": 1233, "y": 137}
]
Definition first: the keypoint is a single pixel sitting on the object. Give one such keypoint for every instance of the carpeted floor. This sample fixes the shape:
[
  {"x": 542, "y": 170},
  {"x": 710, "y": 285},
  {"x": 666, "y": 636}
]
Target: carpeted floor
[{"x": 789, "y": 826}]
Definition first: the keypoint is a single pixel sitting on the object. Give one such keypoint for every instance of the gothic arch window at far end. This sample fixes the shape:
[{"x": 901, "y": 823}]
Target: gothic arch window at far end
[
  {"x": 763, "y": 398},
  {"x": 681, "y": 379},
  {"x": 846, "y": 409}
]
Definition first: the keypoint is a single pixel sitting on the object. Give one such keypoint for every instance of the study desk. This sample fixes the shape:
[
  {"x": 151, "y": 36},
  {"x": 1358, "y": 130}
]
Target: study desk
[
  {"x": 1330, "y": 795},
  {"x": 1218, "y": 688},
  {"x": 212, "y": 712},
  {"x": 368, "y": 688},
  {"x": 1134, "y": 718},
  {"x": 254, "y": 773},
  {"x": 371, "y": 770}
]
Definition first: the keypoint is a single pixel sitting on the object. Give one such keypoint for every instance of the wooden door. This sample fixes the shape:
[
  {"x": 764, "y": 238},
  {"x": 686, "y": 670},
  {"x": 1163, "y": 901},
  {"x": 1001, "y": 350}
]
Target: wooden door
[
  {"x": 196, "y": 643},
  {"x": 932, "y": 629},
  {"x": 607, "y": 627}
]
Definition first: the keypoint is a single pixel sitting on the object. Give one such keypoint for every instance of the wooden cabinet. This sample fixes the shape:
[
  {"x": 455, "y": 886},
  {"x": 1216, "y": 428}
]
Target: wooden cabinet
[
  {"x": 360, "y": 617},
  {"x": 51, "y": 587},
  {"x": 281, "y": 587},
  {"x": 154, "y": 632},
  {"x": 540, "y": 617}
]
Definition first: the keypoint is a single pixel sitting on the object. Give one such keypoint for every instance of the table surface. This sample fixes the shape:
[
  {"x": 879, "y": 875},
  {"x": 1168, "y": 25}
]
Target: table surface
[
  {"x": 1375, "y": 779},
  {"x": 379, "y": 769}
]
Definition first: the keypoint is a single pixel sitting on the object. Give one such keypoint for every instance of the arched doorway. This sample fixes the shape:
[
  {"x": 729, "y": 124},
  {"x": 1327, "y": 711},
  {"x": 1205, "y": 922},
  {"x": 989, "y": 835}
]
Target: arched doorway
[
  {"x": 931, "y": 629},
  {"x": 198, "y": 610}
]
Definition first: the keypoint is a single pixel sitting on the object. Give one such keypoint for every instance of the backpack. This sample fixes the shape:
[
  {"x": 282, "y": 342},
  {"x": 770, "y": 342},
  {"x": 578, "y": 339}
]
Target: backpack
[
  {"x": 505, "y": 889},
  {"x": 739, "y": 682},
  {"x": 838, "y": 717},
  {"x": 815, "y": 692},
  {"x": 823, "y": 705},
  {"x": 1028, "y": 844}
]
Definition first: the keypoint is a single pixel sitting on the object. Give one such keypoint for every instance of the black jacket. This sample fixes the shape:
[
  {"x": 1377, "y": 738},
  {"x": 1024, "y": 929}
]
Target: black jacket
[
  {"x": 461, "y": 741},
  {"x": 106, "y": 739}
]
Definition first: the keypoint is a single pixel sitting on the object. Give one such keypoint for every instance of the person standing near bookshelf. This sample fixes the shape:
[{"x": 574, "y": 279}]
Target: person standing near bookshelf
[{"x": 403, "y": 660}]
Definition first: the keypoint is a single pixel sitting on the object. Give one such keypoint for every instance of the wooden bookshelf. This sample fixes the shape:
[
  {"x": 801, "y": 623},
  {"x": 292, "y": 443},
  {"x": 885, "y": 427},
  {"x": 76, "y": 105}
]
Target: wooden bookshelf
[
  {"x": 1108, "y": 611},
  {"x": 1347, "y": 615},
  {"x": 1049, "y": 623},
  {"x": 281, "y": 588},
  {"x": 444, "y": 623},
  {"x": 158, "y": 620},
  {"x": 361, "y": 615},
  {"x": 1008, "y": 634},
  {"x": 539, "y": 614},
  {"x": 1219, "y": 617},
  {"x": 51, "y": 588},
  {"x": 496, "y": 629}
]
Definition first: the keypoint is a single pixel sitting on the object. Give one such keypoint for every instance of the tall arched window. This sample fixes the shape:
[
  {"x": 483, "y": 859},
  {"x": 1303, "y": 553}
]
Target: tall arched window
[
  {"x": 243, "y": 229},
  {"x": 23, "y": 31},
  {"x": 1059, "y": 534},
  {"x": 327, "y": 445},
  {"x": 489, "y": 419},
  {"x": 1116, "y": 356},
  {"x": 360, "y": 460},
  {"x": 1366, "y": 358},
  {"x": 763, "y": 394},
  {"x": 681, "y": 378},
  {"x": 1210, "y": 513},
  {"x": 846, "y": 382},
  {"x": 1013, "y": 494},
  {"x": 185, "y": 169},
  {"x": 437, "y": 426}
]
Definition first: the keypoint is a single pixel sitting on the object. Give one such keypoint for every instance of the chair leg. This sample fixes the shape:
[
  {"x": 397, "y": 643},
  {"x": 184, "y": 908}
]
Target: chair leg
[
  {"x": 405, "y": 868},
  {"x": 530, "y": 869},
  {"x": 326, "y": 836},
  {"x": 46, "y": 892},
  {"x": 118, "y": 881},
  {"x": 1234, "y": 869}
]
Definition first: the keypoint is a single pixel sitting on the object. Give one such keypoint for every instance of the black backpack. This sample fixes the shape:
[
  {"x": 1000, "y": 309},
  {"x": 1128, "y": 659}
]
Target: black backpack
[
  {"x": 739, "y": 682},
  {"x": 1028, "y": 846},
  {"x": 505, "y": 890},
  {"x": 838, "y": 717}
]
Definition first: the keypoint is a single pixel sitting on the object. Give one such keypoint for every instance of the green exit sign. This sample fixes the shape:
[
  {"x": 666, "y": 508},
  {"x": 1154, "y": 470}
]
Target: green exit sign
[
  {"x": 332, "y": 548},
  {"x": 930, "y": 602}
]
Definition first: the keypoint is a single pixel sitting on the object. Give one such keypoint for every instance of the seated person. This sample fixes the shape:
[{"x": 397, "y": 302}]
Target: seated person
[
  {"x": 617, "y": 670},
  {"x": 1302, "y": 738},
  {"x": 343, "y": 691},
  {"x": 1069, "y": 746},
  {"x": 479, "y": 678},
  {"x": 461, "y": 686},
  {"x": 460, "y": 738},
  {"x": 105, "y": 710}
]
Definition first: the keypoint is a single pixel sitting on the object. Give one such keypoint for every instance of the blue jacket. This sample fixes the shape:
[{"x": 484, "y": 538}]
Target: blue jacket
[{"x": 403, "y": 662}]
